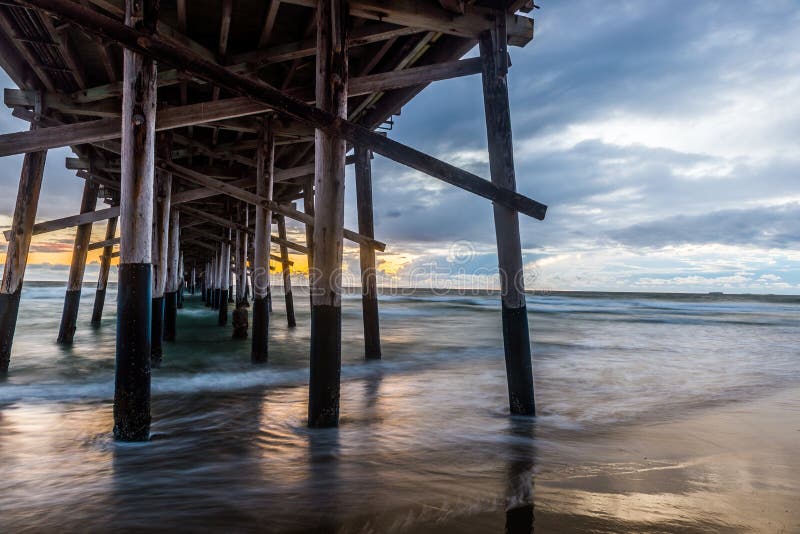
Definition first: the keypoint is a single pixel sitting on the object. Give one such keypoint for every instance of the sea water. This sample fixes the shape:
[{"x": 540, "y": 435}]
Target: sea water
[{"x": 425, "y": 442}]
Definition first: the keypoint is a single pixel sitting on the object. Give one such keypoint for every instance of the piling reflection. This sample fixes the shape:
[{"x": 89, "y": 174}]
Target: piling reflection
[{"x": 520, "y": 475}]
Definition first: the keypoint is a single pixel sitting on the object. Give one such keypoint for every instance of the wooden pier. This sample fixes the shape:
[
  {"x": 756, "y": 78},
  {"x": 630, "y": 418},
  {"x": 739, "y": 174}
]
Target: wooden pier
[{"x": 202, "y": 124}]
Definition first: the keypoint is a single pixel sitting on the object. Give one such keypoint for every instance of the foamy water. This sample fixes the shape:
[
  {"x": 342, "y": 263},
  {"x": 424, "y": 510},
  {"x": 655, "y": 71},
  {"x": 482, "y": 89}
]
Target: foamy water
[{"x": 424, "y": 437}]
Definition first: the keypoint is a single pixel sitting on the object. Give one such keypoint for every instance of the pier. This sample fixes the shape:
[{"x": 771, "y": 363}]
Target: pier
[{"x": 203, "y": 130}]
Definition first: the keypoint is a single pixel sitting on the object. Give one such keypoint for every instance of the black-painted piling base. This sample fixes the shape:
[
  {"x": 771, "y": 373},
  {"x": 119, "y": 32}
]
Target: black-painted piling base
[
  {"x": 519, "y": 371},
  {"x": 9, "y": 309},
  {"x": 170, "y": 314},
  {"x": 372, "y": 331},
  {"x": 230, "y": 295},
  {"x": 179, "y": 300},
  {"x": 326, "y": 365},
  {"x": 260, "y": 348},
  {"x": 69, "y": 317},
  {"x": 207, "y": 297},
  {"x": 290, "y": 320},
  {"x": 239, "y": 319},
  {"x": 156, "y": 332},
  {"x": 222, "y": 318},
  {"x": 97, "y": 310},
  {"x": 132, "y": 374},
  {"x": 215, "y": 300}
]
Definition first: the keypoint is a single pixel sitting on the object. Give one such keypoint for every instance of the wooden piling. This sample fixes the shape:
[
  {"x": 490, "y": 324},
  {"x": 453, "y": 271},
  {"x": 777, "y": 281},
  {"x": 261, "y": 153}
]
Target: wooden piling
[
  {"x": 265, "y": 161},
  {"x": 160, "y": 249},
  {"x": 132, "y": 380},
  {"x": 516, "y": 338},
  {"x": 287, "y": 275},
  {"x": 369, "y": 288},
  {"x": 308, "y": 208},
  {"x": 30, "y": 184},
  {"x": 326, "y": 316},
  {"x": 181, "y": 281},
  {"x": 72, "y": 298},
  {"x": 173, "y": 276},
  {"x": 224, "y": 277},
  {"x": 215, "y": 271},
  {"x": 102, "y": 278}
]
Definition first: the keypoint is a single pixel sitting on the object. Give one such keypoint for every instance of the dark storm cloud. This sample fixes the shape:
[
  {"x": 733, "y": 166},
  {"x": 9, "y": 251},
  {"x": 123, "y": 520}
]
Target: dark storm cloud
[
  {"x": 769, "y": 227},
  {"x": 665, "y": 60}
]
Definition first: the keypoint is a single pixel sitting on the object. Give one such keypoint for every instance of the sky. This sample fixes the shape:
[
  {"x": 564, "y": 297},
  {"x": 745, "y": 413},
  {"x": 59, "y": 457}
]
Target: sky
[{"x": 663, "y": 136}]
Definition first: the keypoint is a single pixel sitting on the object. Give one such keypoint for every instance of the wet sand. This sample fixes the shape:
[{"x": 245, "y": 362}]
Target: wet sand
[{"x": 734, "y": 468}]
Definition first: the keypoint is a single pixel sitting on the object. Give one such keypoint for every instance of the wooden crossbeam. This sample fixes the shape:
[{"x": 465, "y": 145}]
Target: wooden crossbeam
[
  {"x": 104, "y": 243},
  {"x": 155, "y": 46},
  {"x": 426, "y": 15},
  {"x": 252, "y": 198},
  {"x": 106, "y": 129},
  {"x": 72, "y": 220}
]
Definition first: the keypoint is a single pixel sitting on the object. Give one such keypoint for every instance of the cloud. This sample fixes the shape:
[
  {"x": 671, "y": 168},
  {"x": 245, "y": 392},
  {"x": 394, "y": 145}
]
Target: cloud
[{"x": 768, "y": 227}]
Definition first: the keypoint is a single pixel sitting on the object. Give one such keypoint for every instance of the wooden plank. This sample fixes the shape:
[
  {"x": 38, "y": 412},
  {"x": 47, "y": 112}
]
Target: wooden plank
[
  {"x": 108, "y": 242},
  {"x": 366, "y": 34},
  {"x": 106, "y": 129},
  {"x": 426, "y": 15},
  {"x": 8, "y": 27},
  {"x": 153, "y": 45},
  {"x": 72, "y": 220},
  {"x": 62, "y": 103}
]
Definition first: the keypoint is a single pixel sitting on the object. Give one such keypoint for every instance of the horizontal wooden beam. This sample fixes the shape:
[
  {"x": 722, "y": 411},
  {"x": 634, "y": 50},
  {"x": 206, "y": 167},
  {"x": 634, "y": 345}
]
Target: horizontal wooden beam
[
  {"x": 106, "y": 129},
  {"x": 62, "y": 103},
  {"x": 104, "y": 243},
  {"x": 197, "y": 241},
  {"x": 72, "y": 220},
  {"x": 152, "y": 45},
  {"x": 254, "y": 199}
]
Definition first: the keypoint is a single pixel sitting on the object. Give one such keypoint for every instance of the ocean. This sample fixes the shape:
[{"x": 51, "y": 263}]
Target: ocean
[{"x": 656, "y": 413}]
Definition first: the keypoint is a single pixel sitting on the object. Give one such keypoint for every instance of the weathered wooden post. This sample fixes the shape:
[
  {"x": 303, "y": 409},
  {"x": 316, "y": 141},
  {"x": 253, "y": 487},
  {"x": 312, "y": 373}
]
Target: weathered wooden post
[
  {"x": 516, "y": 338},
  {"x": 193, "y": 278},
  {"x": 287, "y": 275},
  {"x": 160, "y": 249},
  {"x": 173, "y": 267},
  {"x": 30, "y": 184},
  {"x": 326, "y": 314},
  {"x": 132, "y": 381},
  {"x": 224, "y": 279},
  {"x": 72, "y": 298},
  {"x": 210, "y": 282},
  {"x": 369, "y": 288},
  {"x": 102, "y": 278},
  {"x": 237, "y": 255},
  {"x": 246, "y": 259},
  {"x": 308, "y": 208},
  {"x": 181, "y": 284},
  {"x": 265, "y": 165},
  {"x": 216, "y": 278}
]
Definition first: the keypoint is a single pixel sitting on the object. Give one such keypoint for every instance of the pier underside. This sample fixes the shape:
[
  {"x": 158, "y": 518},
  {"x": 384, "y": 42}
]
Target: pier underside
[{"x": 202, "y": 125}]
